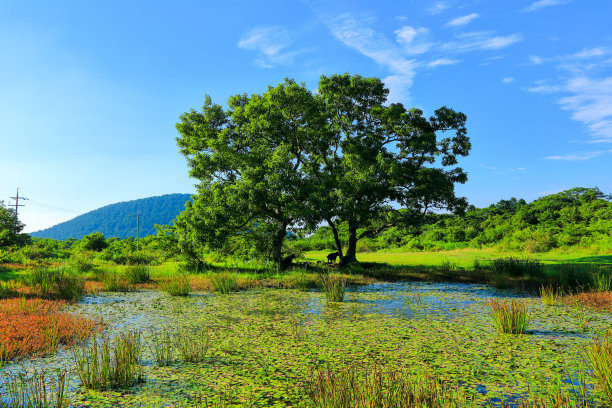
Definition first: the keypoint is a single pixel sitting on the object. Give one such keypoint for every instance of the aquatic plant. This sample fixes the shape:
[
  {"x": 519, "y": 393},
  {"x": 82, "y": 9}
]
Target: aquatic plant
[
  {"x": 177, "y": 285},
  {"x": 38, "y": 390},
  {"x": 302, "y": 281},
  {"x": 137, "y": 274},
  {"x": 517, "y": 267},
  {"x": 602, "y": 281},
  {"x": 224, "y": 282},
  {"x": 162, "y": 348},
  {"x": 509, "y": 317},
  {"x": 101, "y": 366},
  {"x": 7, "y": 289},
  {"x": 333, "y": 286},
  {"x": 599, "y": 358},
  {"x": 349, "y": 388},
  {"x": 550, "y": 296},
  {"x": 113, "y": 281},
  {"x": 572, "y": 276},
  {"x": 70, "y": 287},
  {"x": 192, "y": 345},
  {"x": 42, "y": 279}
]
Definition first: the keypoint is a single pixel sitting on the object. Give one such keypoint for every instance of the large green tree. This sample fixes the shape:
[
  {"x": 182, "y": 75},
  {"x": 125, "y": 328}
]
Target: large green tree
[
  {"x": 380, "y": 165},
  {"x": 10, "y": 228},
  {"x": 288, "y": 158},
  {"x": 249, "y": 162}
]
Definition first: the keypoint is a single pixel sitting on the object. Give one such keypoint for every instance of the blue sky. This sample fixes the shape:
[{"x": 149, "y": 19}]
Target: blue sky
[{"x": 90, "y": 91}]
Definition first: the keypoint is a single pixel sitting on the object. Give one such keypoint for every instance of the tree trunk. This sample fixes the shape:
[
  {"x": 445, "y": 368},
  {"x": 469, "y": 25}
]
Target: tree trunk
[
  {"x": 277, "y": 242},
  {"x": 336, "y": 237},
  {"x": 351, "y": 250}
]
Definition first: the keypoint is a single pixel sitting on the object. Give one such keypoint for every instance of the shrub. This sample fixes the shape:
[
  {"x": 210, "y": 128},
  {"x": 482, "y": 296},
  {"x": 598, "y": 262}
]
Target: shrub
[
  {"x": 177, "y": 285},
  {"x": 137, "y": 274},
  {"x": 224, "y": 282},
  {"x": 509, "y": 318},
  {"x": 82, "y": 263},
  {"x": 101, "y": 366},
  {"x": 333, "y": 286}
]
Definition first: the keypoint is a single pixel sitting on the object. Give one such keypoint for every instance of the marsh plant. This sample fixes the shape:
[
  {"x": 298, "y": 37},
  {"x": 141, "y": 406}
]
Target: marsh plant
[
  {"x": 69, "y": 286},
  {"x": 224, "y": 282},
  {"x": 7, "y": 289},
  {"x": 602, "y": 281},
  {"x": 550, "y": 295},
  {"x": 349, "y": 388},
  {"x": 448, "y": 266},
  {"x": 137, "y": 274},
  {"x": 517, "y": 267},
  {"x": 333, "y": 285},
  {"x": 192, "y": 344},
  {"x": 113, "y": 281},
  {"x": 509, "y": 317},
  {"x": 177, "y": 285},
  {"x": 598, "y": 356},
  {"x": 302, "y": 281},
  {"x": 38, "y": 390},
  {"x": 110, "y": 365},
  {"x": 162, "y": 348},
  {"x": 572, "y": 276}
]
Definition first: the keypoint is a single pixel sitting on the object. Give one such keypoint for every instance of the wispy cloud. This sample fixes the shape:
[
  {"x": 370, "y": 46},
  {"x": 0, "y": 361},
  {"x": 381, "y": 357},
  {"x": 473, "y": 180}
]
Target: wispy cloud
[
  {"x": 414, "y": 41},
  {"x": 507, "y": 80},
  {"x": 270, "y": 43},
  {"x": 578, "y": 156},
  {"x": 539, "y": 5},
  {"x": 584, "y": 93},
  {"x": 439, "y": 7},
  {"x": 463, "y": 20},
  {"x": 481, "y": 41},
  {"x": 442, "y": 61}
]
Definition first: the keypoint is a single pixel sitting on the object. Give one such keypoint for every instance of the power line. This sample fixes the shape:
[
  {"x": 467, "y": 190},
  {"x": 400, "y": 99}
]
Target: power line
[{"x": 17, "y": 205}]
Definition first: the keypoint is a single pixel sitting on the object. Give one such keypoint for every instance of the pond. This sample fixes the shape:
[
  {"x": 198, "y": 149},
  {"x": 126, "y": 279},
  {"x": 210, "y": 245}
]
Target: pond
[{"x": 265, "y": 343}]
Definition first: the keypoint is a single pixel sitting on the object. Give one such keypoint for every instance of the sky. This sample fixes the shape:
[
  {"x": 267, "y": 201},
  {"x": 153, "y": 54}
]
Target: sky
[{"x": 90, "y": 91}]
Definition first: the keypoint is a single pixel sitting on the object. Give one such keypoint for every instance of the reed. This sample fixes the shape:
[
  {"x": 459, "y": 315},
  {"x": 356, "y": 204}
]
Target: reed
[
  {"x": 348, "y": 388},
  {"x": 162, "y": 348},
  {"x": 598, "y": 356},
  {"x": 113, "y": 281},
  {"x": 137, "y": 274},
  {"x": 177, "y": 285},
  {"x": 192, "y": 345},
  {"x": 549, "y": 295},
  {"x": 333, "y": 286},
  {"x": 602, "y": 281},
  {"x": 70, "y": 287},
  {"x": 101, "y": 366},
  {"x": 224, "y": 282},
  {"x": 38, "y": 390},
  {"x": 517, "y": 267},
  {"x": 509, "y": 317}
]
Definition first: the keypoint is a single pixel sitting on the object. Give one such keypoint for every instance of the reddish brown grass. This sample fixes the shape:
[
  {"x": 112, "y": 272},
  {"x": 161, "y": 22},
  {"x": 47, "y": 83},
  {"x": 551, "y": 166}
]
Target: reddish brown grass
[
  {"x": 37, "y": 327},
  {"x": 595, "y": 300}
]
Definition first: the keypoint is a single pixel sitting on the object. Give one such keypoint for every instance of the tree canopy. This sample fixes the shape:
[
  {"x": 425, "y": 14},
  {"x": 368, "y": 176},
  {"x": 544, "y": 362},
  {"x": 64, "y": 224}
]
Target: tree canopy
[
  {"x": 291, "y": 159},
  {"x": 10, "y": 228}
]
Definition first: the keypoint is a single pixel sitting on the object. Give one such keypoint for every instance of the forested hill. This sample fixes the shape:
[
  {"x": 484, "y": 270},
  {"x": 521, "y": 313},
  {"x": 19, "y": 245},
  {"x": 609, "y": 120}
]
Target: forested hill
[{"x": 119, "y": 220}]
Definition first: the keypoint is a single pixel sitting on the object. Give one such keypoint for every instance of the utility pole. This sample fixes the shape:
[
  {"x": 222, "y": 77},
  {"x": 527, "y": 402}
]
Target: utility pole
[{"x": 17, "y": 205}]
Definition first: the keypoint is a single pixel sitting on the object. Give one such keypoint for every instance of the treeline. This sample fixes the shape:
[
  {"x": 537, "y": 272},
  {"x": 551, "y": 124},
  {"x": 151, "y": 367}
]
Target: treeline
[{"x": 580, "y": 217}]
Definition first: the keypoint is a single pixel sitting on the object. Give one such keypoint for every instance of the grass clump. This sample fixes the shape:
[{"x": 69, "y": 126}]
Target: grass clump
[
  {"x": 602, "y": 281},
  {"x": 549, "y": 295},
  {"x": 333, "y": 286},
  {"x": 177, "y": 285},
  {"x": 224, "y": 282},
  {"x": 192, "y": 345},
  {"x": 137, "y": 274},
  {"x": 509, "y": 317},
  {"x": 103, "y": 366},
  {"x": 113, "y": 281},
  {"x": 162, "y": 348},
  {"x": 599, "y": 358},
  {"x": 70, "y": 287},
  {"x": 376, "y": 388},
  {"x": 37, "y": 391},
  {"x": 517, "y": 267}
]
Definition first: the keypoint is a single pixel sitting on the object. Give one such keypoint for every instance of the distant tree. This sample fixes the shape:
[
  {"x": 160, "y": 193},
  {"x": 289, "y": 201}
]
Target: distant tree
[
  {"x": 94, "y": 242},
  {"x": 10, "y": 228}
]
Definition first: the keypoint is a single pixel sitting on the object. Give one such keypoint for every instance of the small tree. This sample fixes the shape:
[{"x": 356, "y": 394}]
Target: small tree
[
  {"x": 10, "y": 228},
  {"x": 94, "y": 242}
]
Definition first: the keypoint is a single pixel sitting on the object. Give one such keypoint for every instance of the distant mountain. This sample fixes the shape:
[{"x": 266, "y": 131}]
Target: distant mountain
[{"x": 119, "y": 220}]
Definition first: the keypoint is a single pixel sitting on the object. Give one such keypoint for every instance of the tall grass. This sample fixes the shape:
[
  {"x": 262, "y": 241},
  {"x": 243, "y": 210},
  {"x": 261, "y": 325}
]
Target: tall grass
[
  {"x": 517, "y": 267},
  {"x": 137, "y": 274},
  {"x": 599, "y": 358},
  {"x": 113, "y": 281},
  {"x": 224, "y": 282},
  {"x": 69, "y": 286},
  {"x": 162, "y": 348},
  {"x": 177, "y": 285},
  {"x": 333, "y": 286},
  {"x": 550, "y": 296},
  {"x": 574, "y": 276},
  {"x": 36, "y": 391},
  {"x": 348, "y": 388},
  {"x": 509, "y": 317},
  {"x": 602, "y": 281},
  {"x": 192, "y": 345},
  {"x": 103, "y": 365}
]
